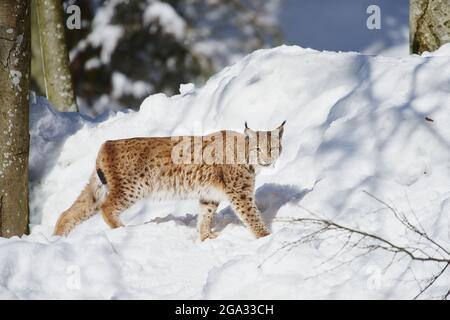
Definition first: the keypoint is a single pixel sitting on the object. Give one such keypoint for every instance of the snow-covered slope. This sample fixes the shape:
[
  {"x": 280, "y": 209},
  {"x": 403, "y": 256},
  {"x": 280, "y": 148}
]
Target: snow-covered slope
[{"x": 355, "y": 125}]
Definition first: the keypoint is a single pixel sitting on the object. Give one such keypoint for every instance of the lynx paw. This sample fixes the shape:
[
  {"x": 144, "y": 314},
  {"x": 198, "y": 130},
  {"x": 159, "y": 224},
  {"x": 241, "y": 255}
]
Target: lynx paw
[
  {"x": 209, "y": 235},
  {"x": 262, "y": 233}
]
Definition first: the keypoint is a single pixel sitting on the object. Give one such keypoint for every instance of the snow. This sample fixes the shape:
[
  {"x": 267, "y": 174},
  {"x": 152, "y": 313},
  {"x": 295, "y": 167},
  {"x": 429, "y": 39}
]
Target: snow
[
  {"x": 125, "y": 86},
  {"x": 218, "y": 33},
  {"x": 15, "y": 75},
  {"x": 355, "y": 123},
  {"x": 104, "y": 34},
  {"x": 443, "y": 51},
  {"x": 107, "y": 38},
  {"x": 187, "y": 88},
  {"x": 166, "y": 16}
]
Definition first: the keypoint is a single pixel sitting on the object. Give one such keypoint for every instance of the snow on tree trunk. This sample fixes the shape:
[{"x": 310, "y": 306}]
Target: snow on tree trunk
[
  {"x": 55, "y": 58},
  {"x": 429, "y": 24},
  {"x": 14, "y": 105}
]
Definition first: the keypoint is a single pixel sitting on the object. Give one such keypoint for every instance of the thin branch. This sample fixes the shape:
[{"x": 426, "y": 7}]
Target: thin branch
[
  {"x": 390, "y": 246},
  {"x": 409, "y": 225},
  {"x": 425, "y": 249},
  {"x": 445, "y": 297},
  {"x": 432, "y": 281}
]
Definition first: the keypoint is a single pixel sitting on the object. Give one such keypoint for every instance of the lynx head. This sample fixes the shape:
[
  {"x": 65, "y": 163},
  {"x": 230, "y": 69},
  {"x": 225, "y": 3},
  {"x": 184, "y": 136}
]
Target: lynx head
[{"x": 264, "y": 147}]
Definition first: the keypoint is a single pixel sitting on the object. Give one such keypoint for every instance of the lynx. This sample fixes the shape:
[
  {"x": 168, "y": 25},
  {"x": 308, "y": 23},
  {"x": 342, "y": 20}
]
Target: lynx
[{"x": 216, "y": 167}]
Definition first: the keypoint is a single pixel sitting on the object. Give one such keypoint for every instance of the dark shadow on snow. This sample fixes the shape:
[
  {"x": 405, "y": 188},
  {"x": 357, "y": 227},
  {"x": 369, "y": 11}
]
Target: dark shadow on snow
[{"x": 269, "y": 199}]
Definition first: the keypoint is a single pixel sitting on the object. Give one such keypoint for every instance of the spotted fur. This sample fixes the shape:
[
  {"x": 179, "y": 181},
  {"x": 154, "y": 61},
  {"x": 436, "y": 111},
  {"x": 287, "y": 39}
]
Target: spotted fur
[{"x": 131, "y": 169}]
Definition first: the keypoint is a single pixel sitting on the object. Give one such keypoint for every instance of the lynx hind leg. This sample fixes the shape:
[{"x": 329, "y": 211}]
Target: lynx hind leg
[
  {"x": 207, "y": 211},
  {"x": 112, "y": 208},
  {"x": 82, "y": 209},
  {"x": 245, "y": 208}
]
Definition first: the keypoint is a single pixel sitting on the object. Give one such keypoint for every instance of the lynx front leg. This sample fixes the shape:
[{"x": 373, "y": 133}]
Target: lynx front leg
[
  {"x": 239, "y": 184},
  {"x": 207, "y": 211},
  {"x": 245, "y": 207}
]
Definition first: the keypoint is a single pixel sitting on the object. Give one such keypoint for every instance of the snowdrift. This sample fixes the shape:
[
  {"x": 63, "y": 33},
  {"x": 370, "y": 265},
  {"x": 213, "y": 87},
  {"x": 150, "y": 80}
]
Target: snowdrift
[{"x": 356, "y": 126}]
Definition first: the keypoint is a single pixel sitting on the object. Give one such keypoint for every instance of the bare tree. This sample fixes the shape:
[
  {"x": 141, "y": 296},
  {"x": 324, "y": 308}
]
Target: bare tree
[
  {"x": 420, "y": 247},
  {"x": 429, "y": 24},
  {"x": 55, "y": 58},
  {"x": 14, "y": 105}
]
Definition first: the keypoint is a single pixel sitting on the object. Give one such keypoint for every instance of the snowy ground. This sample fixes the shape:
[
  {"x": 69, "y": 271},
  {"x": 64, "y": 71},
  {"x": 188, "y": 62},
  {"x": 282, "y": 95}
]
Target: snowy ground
[{"x": 355, "y": 123}]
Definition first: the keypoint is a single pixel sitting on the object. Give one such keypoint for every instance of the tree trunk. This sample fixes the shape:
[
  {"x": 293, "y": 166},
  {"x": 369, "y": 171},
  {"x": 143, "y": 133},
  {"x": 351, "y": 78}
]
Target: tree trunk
[
  {"x": 429, "y": 22},
  {"x": 14, "y": 104},
  {"x": 55, "y": 58},
  {"x": 37, "y": 71}
]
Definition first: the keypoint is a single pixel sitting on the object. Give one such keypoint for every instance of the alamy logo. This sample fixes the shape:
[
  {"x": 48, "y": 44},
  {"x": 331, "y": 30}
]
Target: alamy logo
[
  {"x": 374, "y": 20},
  {"x": 374, "y": 277},
  {"x": 227, "y": 148},
  {"x": 74, "y": 19},
  {"x": 73, "y": 281}
]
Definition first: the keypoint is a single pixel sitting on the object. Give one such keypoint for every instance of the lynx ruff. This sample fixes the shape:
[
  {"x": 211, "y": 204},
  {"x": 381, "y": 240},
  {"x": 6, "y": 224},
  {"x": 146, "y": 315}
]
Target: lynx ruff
[{"x": 212, "y": 168}]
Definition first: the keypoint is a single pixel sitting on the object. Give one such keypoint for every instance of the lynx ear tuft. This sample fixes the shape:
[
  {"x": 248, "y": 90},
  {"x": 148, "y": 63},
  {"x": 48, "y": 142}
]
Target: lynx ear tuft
[
  {"x": 281, "y": 129},
  {"x": 247, "y": 130},
  {"x": 282, "y": 124}
]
